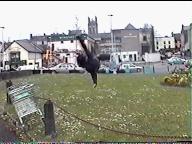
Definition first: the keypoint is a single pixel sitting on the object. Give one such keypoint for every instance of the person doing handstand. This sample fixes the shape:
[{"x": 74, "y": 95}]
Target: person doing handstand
[{"x": 89, "y": 61}]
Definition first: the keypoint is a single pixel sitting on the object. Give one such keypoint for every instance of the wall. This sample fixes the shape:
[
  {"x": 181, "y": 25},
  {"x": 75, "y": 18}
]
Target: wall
[
  {"x": 16, "y": 48},
  {"x": 161, "y": 40},
  {"x": 152, "y": 57},
  {"x": 35, "y": 57},
  {"x": 126, "y": 56},
  {"x": 71, "y": 57},
  {"x": 71, "y": 46},
  {"x": 14, "y": 74},
  {"x": 130, "y": 40}
]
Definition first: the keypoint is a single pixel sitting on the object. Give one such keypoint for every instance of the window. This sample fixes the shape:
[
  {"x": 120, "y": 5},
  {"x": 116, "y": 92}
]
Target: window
[
  {"x": 164, "y": 42},
  {"x": 169, "y": 42},
  {"x": 157, "y": 47},
  {"x": 37, "y": 63},
  {"x": 169, "y": 46},
  {"x": 157, "y": 42},
  {"x": 42, "y": 42},
  {"x": 130, "y": 57},
  {"x": 124, "y": 56},
  {"x": 30, "y": 64},
  {"x": 144, "y": 38},
  {"x": 164, "y": 46},
  {"x": 52, "y": 47},
  {"x": 62, "y": 42},
  {"x": 57, "y": 54},
  {"x": 71, "y": 41},
  {"x": 24, "y": 62}
]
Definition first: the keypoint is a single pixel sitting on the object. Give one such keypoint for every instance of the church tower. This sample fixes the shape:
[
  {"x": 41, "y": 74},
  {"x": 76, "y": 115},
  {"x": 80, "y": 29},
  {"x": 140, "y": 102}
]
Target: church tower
[{"x": 92, "y": 26}]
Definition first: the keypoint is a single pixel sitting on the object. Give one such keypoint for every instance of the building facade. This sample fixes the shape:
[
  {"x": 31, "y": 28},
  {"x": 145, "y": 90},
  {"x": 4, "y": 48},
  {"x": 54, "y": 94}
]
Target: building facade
[
  {"x": 177, "y": 37},
  {"x": 65, "y": 47},
  {"x": 22, "y": 52},
  {"x": 185, "y": 31},
  {"x": 124, "y": 40},
  {"x": 166, "y": 43}
]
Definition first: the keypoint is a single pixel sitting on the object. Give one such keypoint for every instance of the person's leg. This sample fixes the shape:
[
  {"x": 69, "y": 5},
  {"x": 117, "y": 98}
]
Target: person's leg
[{"x": 94, "y": 78}]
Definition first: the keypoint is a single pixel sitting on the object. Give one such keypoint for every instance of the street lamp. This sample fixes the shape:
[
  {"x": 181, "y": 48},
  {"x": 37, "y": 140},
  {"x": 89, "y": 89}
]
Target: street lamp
[
  {"x": 2, "y": 46},
  {"x": 111, "y": 33}
]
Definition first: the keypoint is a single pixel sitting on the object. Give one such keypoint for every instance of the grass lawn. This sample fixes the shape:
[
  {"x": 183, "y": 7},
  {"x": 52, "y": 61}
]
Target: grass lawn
[{"x": 125, "y": 102}]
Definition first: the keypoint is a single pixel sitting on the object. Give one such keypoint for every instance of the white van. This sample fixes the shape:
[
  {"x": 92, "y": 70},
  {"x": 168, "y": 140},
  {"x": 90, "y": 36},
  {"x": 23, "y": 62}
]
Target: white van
[{"x": 27, "y": 67}]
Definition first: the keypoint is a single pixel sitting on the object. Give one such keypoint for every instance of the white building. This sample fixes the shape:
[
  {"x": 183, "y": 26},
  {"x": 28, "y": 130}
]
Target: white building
[
  {"x": 164, "y": 43},
  {"x": 130, "y": 56},
  {"x": 68, "y": 42},
  {"x": 66, "y": 46},
  {"x": 22, "y": 52}
]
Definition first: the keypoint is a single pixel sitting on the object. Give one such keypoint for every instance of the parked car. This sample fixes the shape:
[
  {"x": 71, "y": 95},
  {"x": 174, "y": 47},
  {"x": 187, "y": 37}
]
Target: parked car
[
  {"x": 103, "y": 69},
  {"x": 188, "y": 63},
  {"x": 175, "y": 60},
  {"x": 129, "y": 67},
  {"x": 27, "y": 67},
  {"x": 1, "y": 69},
  {"x": 67, "y": 68}
]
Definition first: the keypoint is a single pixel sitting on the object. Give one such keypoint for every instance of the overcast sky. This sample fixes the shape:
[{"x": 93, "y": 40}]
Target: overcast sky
[{"x": 22, "y": 18}]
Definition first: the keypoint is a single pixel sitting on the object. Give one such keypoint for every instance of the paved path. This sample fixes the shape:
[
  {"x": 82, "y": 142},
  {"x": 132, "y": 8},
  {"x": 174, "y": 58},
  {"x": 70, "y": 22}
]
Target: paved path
[{"x": 5, "y": 134}]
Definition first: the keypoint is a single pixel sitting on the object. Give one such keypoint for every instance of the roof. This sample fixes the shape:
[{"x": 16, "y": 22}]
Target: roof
[
  {"x": 63, "y": 37},
  {"x": 29, "y": 46},
  {"x": 186, "y": 27},
  {"x": 105, "y": 35},
  {"x": 74, "y": 32},
  {"x": 130, "y": 26},
  {"x": 39, "y": 38}
]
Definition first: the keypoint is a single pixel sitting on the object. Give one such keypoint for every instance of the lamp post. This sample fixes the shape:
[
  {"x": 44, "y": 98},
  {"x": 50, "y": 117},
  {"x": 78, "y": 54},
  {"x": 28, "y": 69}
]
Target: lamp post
[
  {"x": 111, "y": 33},
  {"x": 3, "y": 47}
]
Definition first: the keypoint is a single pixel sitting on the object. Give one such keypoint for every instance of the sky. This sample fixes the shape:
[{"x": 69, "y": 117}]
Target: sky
[{"x": 22, "y": 18}]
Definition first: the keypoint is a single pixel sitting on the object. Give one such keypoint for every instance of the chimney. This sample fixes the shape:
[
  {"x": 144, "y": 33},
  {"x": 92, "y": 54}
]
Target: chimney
[
  {"x": 31, "y": 36},
  {"x": 88, "y": 20}
]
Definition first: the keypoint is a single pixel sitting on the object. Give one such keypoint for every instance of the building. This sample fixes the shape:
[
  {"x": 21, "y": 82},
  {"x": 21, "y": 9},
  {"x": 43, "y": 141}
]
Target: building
[
  {"x": 65, "y": 47},
  {"x": 22, "y": 52},
  {"x": 40, "y": 40},
  {"x": 0, "y": 47},
  {"x": 185, "y": 31},
  {"x": 1, "y": 55},
  {"x": 92, "y": 26},
  {"x": 177, "y": 37},
  {"x": 124, "y": 40},
  {"x": 164, "y": 43}
]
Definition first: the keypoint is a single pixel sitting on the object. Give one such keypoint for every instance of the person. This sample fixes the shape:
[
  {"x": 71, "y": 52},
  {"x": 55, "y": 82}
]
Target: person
[{"x": 89, "y": 61}]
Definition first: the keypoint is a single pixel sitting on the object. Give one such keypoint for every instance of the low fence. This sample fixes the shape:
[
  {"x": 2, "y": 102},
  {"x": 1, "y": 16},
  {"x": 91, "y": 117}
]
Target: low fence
[
  {"x": 14, "y": 74},
  {"x": 147, "y": 69},
  {"x": 17, "y": 74}
]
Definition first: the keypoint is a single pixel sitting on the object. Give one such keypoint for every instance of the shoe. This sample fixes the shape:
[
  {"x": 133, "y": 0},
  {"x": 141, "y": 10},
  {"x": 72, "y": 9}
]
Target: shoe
[{"x": 94, "y": 86}]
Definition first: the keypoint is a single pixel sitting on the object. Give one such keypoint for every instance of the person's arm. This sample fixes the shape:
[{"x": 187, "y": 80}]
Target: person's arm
[{"x": 88, "y": 53}]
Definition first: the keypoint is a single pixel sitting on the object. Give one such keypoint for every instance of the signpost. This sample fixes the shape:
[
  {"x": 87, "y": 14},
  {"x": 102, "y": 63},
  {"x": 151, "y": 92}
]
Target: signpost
[{"x": 23, "y": 100}]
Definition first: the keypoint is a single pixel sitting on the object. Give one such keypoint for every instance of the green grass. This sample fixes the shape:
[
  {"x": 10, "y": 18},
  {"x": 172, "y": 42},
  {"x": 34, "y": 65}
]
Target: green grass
[{"x": 129, "y": 103}]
